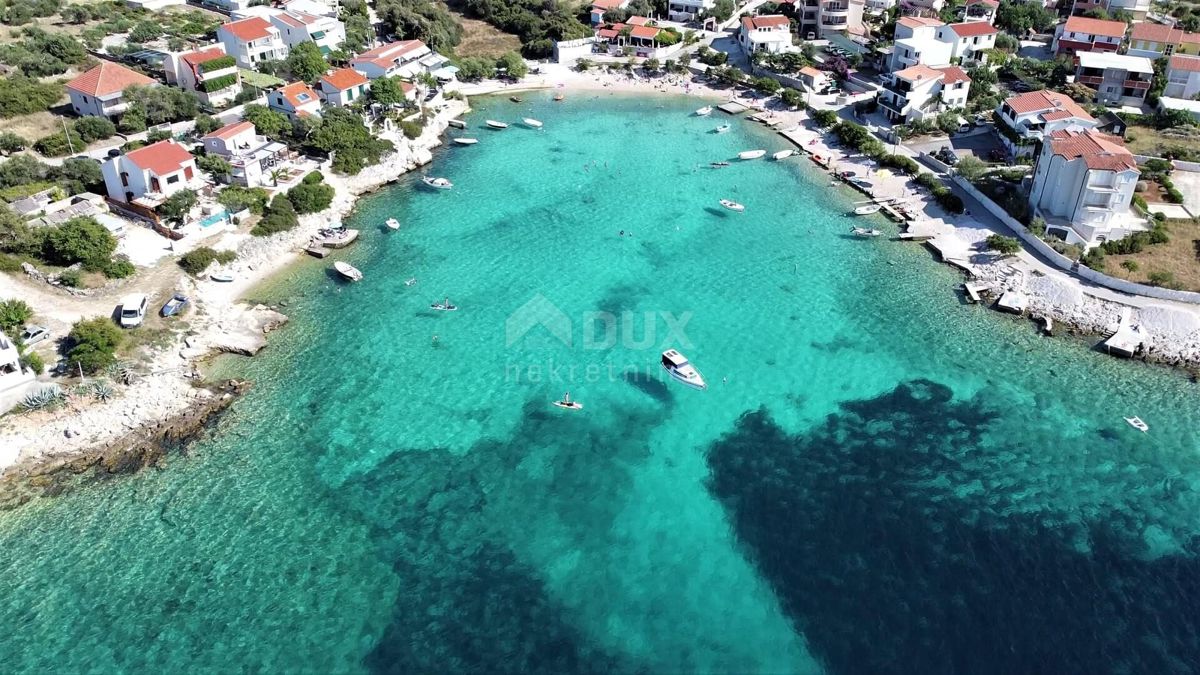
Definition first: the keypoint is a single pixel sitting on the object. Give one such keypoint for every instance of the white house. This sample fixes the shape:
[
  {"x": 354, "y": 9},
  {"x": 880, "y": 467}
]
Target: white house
[
  {"x": 981, "y": 10},
  {"x": 770, "y": 33},
  {"x": 599, "y": 7},
  {"x": 1084, "y": 34},
  {"x": 98, "y": 92},
  {"x": 926, "y": 41},
  {"x": 343, "y": 86},
  {"x": 252, "y": 41},
  {"x": 15, "y": 381},
  {"x": 149, "y": 175},
  {"x": 919, "y": 91},
  {"x": 209, "y": 73},
  {"x": 318, "y": 7},
  {"x": 252, "y": 157},
  {"x": 402, "y": 59},
  {"x": 877, "y": 7},
  {"x": 688, "y": 10},
  {"x": 821, "y": 17},
  {"x": 1183, "y": 77},
  {"x": 295, "y": 100},
  {"x": 1083, "y": 183},
  {"x": 295, "y": 27},
  {"x": 1032, "y": 115},
  {"x": 812, "y": 79},
  {"x": 1117, "y": 78},
  {"x": 969, "y": 41}
]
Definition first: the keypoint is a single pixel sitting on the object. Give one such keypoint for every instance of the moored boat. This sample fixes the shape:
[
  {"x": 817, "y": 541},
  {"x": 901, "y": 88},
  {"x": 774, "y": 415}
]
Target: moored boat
[
  {"x": 443, "y": 306},
  {"x": 751, "y": 154},
  {"x": 222, "y": 277},
  {"x": 559, "y": 97},
  {"x": 783, "y": 154},
  {"x": 515, "y": 99},
  {"x": 567, "y": 403},
  {"x": 867, "y": 209},
  {"x": 722, "y": 129},
  {"x": 348, "y": 271},
  {"x": 437, "y": 183},
  {"x": 532, "y": 123},
  {"x": 1137, "y": 423},
  {"x": 732, "y": 205},
  {"x": 463, "y": 140},
  {"x": 864, "y": 232},
  {"x": 175, "y": 305},
  {"x": 496, "y": 125},
  {"x": 680, "y": 370},
  {"x": 393, "y": 224},
  {"x": 705, "y": 111}
]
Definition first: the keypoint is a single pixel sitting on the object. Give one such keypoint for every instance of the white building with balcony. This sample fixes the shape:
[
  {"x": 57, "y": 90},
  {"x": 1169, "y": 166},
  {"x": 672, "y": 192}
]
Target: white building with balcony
[
  {"x": 99, "y": 91},
  {"x": 1083, "y": 183},
  {"x": 405, "y": 59},
  {"x": 251, "y": 157},
  {"x": 209, "y": 73},
  {"x": 818, "y": 18},
  {"x": 981, "y": 10},
  {"x": 1183, "y": 77},
  {"x": 1032, "y": 115},
  {"x": 149, "y": 175},
  {"x": 252, "y": 41},
  {"x": 15, "y": 381},
  {"x": 295, "y": 27},
  {"x": 343, "y": 86},
  {"x": 916, "y": 43},
  {"x": 771, "y": 33},
  {"x": 689, "y": 10},
  {"x": 920, "y": 92},
  {"x": 1118, "y": 79}
]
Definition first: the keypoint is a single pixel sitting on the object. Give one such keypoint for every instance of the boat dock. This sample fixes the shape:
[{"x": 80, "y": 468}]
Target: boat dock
[
  {"x": 733, "y": 108},
  {"x": 1013, "y": 301},
  {"x": 317, "y": 251},
  {"x": 457, "y": 124},
  {"x": 973, "y": 291},
  {"x": 1127, "y": 339},
  {"x": 340, "y": 242}
]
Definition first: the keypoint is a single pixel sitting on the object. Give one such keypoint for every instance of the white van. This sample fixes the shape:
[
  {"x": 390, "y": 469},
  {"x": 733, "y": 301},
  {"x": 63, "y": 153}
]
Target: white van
[{"x": 133, "y": 310}]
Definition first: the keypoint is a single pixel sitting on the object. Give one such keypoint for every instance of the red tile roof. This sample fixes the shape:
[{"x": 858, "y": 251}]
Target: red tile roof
[
  {"x": 953, "y": 74},
  {"x": 298, "y": 94},
  {"x": 1099, "y": 151},
  {"x": 1082, "y": 24},
  {"x": 918, "y": 73},
  {"x": 608, "y": 4},
  {"x": 918, "y": 21},
  {"x": 343, "y": 79},
  {"x": 202, "y": 55},
  {"x": 230, "y": 130},
  {"x": 638, "y": 21},
  {"x": 644, "y": 32},
  {"x": 1184, "y": 63},
  {"x": 107, "y": 78},
  {"x": 385, "y": 55},
  {"x": 1155, "y": 32},
  {"x": 769, "y": 21},
  {"x": 810, "y": 71},
  {"x": 160, "y": 158},
  {"x": 973, "y": 28},
  {"x": 247, "y": 30},
  {"x": 1046, "y": 100}
]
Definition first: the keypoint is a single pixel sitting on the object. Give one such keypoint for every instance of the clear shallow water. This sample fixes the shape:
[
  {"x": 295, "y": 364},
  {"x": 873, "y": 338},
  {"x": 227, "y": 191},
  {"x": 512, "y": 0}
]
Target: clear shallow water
[{"x": 878, "y": 479}]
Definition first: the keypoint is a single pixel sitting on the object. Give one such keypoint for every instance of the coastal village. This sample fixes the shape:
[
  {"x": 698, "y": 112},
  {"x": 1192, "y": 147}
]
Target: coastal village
[{"x": 160, "y": 157}]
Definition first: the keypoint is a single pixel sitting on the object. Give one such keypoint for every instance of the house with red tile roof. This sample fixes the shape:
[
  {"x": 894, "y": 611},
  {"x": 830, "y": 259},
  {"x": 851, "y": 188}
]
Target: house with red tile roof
[
  {"x": 599, "y": 7},
  {"x": 926, "y": 41},
  {"x": 209, "y": 73},
  {"x": 1156, "y": 40},
  {"x": 1183, "y": 77},
  {"x": 149, "y": 175},
  {"x": 401, "y": 59},
  {"x": 294, "y": 27},
  {"x": 251, "y": 41},
  {"x": 1030, "y": 116},
  {"x": 1083, "y": 183},
  {"x": 251, "y": 157},
  {"x": 98, "y": 92},
  {"x": 343, "y": 86},
  {"x": 295, "y": 100},
  {"x": 1083, "y": 34},
  {"x": 768, "y": 33},
  {"x": 920, "y": 92}
]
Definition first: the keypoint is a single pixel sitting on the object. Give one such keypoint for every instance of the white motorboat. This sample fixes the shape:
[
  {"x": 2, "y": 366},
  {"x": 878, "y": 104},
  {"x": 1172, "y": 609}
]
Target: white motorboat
[
  {"x": 531, "y": 123},
  {"x": 444, "y": 306},
  {"x": 705, "y": 111},
  {"x": 393, "y": 224},
  {"x": 678, "y": 367},
  {"x": 223, "y": 277},
  {"x": 462, "y": 140},
  {"x": 783, "y": 154},
  {"x": 348, "y": 271},
  {"x": 437, "y": 183},
  {"x": 496, "y": 125},
  {"x": 732, "y": 205},
  {"x": 568, "y": 404},
  {"x": 722, "y": 129},
  {"x": 751, "y": 154},
  {"x": 867, "y": 209},
  {"x": 864, "y": 232},
  {"x": 410, "y": 282},
  {"x": 1137, "y": 423}
]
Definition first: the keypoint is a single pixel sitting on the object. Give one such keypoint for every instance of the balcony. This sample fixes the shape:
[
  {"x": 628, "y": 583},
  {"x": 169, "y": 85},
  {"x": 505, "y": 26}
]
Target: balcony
[
  {"x": 116, "y": 107},
  {"x": 1091, "y": 80},
  {"x": 835, "y": 9},
  {"x": 896, "y": 106},
  {"x": 1135, "y": 84}
]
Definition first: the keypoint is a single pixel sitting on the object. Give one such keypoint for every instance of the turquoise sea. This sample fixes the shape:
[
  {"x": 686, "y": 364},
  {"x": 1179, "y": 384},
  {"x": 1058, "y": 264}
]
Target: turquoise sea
[{"x": 879, "y": 478}]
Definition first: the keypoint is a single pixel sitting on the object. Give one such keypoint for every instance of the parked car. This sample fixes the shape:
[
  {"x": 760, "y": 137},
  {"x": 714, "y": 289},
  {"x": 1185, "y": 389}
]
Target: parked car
[
  {"x": 946, "y": 155},
  {"x": 133, "y": 310},
  {"x": 34, "y": 334}
]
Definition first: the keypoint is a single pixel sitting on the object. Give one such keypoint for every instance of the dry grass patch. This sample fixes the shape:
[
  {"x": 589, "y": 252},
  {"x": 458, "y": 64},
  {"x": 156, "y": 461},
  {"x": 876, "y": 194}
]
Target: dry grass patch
[
  {"x": 1180, "y": 257},
  {"x": 483, "y": 39},
  {"x": 1149, "y": 141},
  {"x": 34, "y": 126}
]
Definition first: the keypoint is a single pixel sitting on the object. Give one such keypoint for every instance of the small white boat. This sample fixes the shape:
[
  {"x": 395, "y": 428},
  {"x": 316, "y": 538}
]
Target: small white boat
[
  {"x": 751, "y": 154},
  {"x": 393, "y": 224},
  {"x": 437, "y": 183},
  {"x": 444, "y": 306},
  {"x": 559, "y": 97},
  {"x": 783, "y": 154},
  {"x": 223, "y": 277},
  {"x": 496, "y": 125},
  {"x": 705, "y": 111},
  {"x": 864, "y": 232},
  {"x": 732, "y": 205},
  {"x": 532, "y": 123},
  {"x": 867, "y": 209},
  {"x": 410, "y": 282},
  {"x": 1137, "y": 423},
  {"x": 722, "y": 129},
  {"x": 719, "y": 165},
  {"x": 462, "y": 140},
  {"x": 567, "y": 403},
  {"x": 348, "y": 271},
  {"x": 680, "y": 370}
]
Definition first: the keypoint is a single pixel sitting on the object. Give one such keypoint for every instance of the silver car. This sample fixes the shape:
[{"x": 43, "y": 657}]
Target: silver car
[{"x": 34, "y": 334}]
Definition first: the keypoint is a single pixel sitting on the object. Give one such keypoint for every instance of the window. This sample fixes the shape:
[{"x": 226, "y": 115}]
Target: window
[
  {"x": 303, "y": 97},
  {"x": 124, "y": 179},
  {"x": 187, "y": 172},
  {"x": 172, "y": 179}
]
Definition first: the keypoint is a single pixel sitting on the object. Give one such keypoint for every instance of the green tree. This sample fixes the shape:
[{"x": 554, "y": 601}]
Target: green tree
[
  {"x": 279, "y": 217},
  {"x": 306, "y": 62},
  {"x": 80, "y": 240},
  {"x": 353, "y": 146},
  {"x": 236, "y": 198},
  {"x": 268, "y": 122},
  {"x": 198, "y": 259},
  {"x": 311, "y": 196},
  {"x": 22, "y": 170},
  {"x": 94, "y": 345},
  {"x": 791, "y": 97},
  {"x": 1019, "y": 18},
  {"x": 215, "y": 165},
  {"x": 825, "y": 118},
  {"x": 723, "y": 9},
  {"x": 77, "y": 175},
  {"x": 206, "y": 124},
  {"x": 473, "y": 69},
  {"x": 387, "y": 90},
  {"x": 61, "y": 143},
  {"x": 420, "y": 20},
  {"x": 1002, "y": 244},
  {"x": 158, "y": 105},
  {"x": 13, "y": 315},
  {"x": 513, "y": 65},
  {"x": 20, "y": 95},
  {"x": 971, "y": 167},
  {"x": 357, "y": 20},
  {"x": 10, "y": 143},
  {"x": 144, "y": 31},
  {"x": 92, "y": 129},
  {"x": 176, "y": 207}
]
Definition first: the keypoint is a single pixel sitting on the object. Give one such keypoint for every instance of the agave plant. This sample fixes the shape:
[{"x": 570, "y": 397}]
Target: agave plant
[
  {"x": 122, "y": 372},
  {"x": 102, "y": 390},
  {"x": 43, "y": 398}
]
